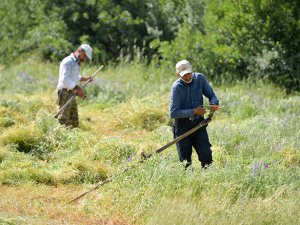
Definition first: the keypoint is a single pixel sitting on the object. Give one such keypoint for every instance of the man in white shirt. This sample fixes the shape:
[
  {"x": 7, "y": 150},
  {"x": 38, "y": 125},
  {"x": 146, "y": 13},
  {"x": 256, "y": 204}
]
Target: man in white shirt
[{"x": 69, "y": 78}]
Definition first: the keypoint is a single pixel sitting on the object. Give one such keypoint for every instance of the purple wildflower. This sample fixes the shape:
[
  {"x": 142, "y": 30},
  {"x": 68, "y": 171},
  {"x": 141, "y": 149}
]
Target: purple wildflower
[
  {"x": 131, "y": 157},
  {"x": 255, "y": 169}
]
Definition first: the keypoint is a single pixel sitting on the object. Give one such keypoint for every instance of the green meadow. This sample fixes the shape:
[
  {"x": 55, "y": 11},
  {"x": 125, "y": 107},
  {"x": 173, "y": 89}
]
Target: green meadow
[{"x": 43, "y": 165}]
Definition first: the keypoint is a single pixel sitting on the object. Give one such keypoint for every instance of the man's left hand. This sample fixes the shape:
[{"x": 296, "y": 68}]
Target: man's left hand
[
  {"x": 214, "y": 107},
  {"x": 90, "y": 79}
]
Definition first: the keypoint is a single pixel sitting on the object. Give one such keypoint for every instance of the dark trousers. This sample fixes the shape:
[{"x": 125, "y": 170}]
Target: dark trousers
[{"x": 199, "y": 140}]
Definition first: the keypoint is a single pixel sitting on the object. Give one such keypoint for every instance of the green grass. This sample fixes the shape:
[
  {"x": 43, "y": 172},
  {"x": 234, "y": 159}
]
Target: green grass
[{"x": 255, "y": 136}]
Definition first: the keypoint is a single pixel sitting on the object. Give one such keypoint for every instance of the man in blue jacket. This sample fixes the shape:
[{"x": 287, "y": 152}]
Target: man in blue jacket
[{"x": 186, "y": 107}]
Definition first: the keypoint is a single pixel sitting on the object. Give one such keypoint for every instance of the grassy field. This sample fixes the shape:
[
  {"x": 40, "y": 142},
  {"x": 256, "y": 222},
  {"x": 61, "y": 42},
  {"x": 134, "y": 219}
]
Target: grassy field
[{"x": 254, "y": 178}]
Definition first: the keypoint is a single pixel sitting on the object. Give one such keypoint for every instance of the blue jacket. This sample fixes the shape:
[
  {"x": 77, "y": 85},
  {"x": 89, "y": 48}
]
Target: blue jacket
[{"x": 186, "y": 97}]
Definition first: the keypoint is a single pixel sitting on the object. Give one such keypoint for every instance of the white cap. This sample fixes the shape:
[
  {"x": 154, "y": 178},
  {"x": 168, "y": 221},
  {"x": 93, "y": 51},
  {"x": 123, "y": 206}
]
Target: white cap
[
  {"x": 183, "y": 67},
  {"x": 88, "y": 50}
]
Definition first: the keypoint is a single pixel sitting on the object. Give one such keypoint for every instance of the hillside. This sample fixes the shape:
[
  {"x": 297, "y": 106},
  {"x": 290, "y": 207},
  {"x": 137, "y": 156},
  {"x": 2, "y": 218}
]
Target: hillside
[{"x": 254, "y": 178}]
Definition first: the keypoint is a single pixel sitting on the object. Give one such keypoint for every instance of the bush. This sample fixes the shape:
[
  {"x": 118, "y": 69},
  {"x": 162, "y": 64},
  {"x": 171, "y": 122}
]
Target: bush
[{"x": 241, "y": 40}]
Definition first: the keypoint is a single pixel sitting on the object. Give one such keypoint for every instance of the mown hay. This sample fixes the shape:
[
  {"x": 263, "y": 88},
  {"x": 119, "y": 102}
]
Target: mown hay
[{"x": 22, "y": 137}]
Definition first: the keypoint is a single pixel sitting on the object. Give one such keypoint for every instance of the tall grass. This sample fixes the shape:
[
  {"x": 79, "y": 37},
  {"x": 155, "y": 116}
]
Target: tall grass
[{"x": 254, "y": 178}]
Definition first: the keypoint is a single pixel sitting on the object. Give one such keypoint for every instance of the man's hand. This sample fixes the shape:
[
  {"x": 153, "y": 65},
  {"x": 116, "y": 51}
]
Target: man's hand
[
  {"x": 89, "y": 79},
  {"x": 199, "y": 111},
  {"x": 214, "y": 108},
  {"x": 79, "y": 92}
]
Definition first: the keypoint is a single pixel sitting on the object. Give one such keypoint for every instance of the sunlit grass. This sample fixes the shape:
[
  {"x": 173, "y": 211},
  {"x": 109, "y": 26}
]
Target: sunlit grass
[{"x": 255, "y": 136}]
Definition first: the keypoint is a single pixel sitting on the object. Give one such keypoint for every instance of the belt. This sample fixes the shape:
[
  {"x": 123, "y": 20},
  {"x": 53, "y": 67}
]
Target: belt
[
  {"x": 188, "y": 120},
  {"x": 200, "y": 118},
  {"x": 68, "y": 90}
]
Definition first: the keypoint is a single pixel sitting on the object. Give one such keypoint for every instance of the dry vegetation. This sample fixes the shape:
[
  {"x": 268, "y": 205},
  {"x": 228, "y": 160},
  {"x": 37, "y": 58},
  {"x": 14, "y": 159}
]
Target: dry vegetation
[{"x": 43, "y": 165}]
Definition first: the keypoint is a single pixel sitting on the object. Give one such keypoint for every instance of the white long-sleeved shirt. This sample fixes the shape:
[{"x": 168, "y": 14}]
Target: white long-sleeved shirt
[{"x": 68, "y": 73}]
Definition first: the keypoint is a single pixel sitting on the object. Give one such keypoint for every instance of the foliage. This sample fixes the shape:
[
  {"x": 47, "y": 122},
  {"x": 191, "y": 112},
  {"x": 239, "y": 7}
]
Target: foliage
[
  {"x": 26, "y": 28},
  {"x": 114, "y": 28},
  {"x": 226, "y": 40},
  {"x": 242, "y": 40}
]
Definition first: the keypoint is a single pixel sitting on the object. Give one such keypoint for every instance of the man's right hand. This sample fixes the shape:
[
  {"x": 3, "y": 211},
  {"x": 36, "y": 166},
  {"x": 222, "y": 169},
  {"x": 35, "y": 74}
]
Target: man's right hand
[
  {"x": 79, "y": 92},
  {"x": 199, "y": 111}
]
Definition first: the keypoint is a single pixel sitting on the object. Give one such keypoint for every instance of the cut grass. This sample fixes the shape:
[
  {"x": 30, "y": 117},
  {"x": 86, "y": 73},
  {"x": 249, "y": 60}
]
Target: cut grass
[{"x": 254, "y": 178}]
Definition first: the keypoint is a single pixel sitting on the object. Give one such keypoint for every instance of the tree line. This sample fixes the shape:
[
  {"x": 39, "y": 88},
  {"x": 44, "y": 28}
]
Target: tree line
[{"x": 228, "y": 40}]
